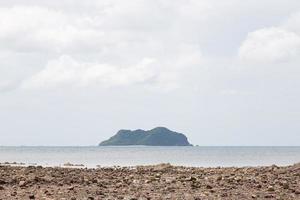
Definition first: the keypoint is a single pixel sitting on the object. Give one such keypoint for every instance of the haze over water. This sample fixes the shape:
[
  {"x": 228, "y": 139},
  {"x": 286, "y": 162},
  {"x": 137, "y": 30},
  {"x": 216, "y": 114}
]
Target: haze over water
[{"x": 146, "y": 155}]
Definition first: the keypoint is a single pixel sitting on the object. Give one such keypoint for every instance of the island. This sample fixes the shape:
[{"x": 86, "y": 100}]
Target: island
[{"x": 159, "y": 136}]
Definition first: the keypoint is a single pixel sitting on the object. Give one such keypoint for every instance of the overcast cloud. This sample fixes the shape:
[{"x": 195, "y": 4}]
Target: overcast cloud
[{"x": 222, "y": 72}]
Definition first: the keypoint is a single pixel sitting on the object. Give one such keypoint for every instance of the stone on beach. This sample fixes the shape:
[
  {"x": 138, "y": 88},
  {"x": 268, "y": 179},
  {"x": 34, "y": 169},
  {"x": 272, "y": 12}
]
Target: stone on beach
[{"x": 162, "y": 181}]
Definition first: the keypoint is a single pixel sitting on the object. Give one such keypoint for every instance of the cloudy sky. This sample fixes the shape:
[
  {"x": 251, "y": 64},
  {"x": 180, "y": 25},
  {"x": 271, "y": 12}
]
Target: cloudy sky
[{"x": 222, "y": 72}]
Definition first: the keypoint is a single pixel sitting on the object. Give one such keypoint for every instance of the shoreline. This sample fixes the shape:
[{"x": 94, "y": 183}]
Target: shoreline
[
  {"x": 162, "y": 181},
  {"x": 95, "y": 166},
  {"x": 131, "y": 155}
]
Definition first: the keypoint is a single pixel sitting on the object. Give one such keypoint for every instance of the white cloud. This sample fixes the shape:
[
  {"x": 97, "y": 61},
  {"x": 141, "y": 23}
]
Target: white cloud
[
  {"x": 167, "y": 71},
  {"x": 68, "y": 71},
  {"x": 110, "y": 47},
  {"x": 160, "y": 73},
  {"x": 270, "y": 45},
  {"x": 35, "y": 29},
  {"x": 293, "y": 23}
]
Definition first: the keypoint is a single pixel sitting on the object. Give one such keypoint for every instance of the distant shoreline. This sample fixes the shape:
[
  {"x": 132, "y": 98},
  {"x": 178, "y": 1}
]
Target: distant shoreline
[{"x": 83, "y": 146}]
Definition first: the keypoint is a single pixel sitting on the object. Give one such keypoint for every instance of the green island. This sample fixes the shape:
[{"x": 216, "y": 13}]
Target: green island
[{"x": 159, "y": 136}]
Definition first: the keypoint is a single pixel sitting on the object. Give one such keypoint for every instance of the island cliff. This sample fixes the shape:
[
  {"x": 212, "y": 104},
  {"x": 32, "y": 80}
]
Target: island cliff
[{"x": 159, "y": 136}]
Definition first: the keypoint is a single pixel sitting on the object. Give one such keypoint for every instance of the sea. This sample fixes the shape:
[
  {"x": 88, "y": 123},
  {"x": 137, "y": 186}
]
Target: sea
[{"x": 195, "y": 156}]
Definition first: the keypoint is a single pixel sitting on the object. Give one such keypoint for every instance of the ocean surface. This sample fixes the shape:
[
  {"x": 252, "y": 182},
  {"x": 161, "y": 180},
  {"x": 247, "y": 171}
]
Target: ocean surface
[{"x": 144, "y": 155}]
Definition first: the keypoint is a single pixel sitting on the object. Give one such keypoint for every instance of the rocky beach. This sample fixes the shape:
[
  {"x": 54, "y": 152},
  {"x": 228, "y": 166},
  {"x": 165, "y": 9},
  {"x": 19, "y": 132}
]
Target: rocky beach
[{"x": 150, "y": 182}]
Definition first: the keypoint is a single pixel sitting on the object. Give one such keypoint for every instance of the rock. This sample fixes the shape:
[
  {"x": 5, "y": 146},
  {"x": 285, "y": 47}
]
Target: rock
[
  {"x": 192, "y": 179},
  {"x": 14, "y": 193},
  {"x": 223, "y": 195},
  {"x": 270, "y": 189},
  {"x": 219, "y": 178},
  {"x": 209, "y": 187},
  {"x": 158, "y": 175},
  {"x": 22, "y": 183},
  {"x": 269, "y": 196},
  {"x": 285, "y": 186},
  {"x": 31, "y": 196},
  {"x": 100, "y": 193},
  {"x": 162, "y": 166},
  {"x": 135, "y": 181},
  {"x": 274, "y": 167},
  {"x": 70, "y": 188},
  {"x": 147, "y": 181},
  {"x": 238, "y": 179},
  {"x": 170, "y": 180}
]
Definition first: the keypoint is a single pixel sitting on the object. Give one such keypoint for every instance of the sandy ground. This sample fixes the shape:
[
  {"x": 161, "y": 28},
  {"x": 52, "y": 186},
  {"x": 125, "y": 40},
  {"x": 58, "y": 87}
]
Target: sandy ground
[{"x": 150, "y": 182}]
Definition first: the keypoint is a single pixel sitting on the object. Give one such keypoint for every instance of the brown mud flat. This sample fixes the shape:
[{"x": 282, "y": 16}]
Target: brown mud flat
[{"x": 150, "y": 182}]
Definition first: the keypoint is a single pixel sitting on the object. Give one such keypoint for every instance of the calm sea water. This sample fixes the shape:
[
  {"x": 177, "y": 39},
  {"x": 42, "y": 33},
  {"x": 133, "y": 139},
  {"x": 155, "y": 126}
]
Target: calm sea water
[{"x": 142, "y": 155}]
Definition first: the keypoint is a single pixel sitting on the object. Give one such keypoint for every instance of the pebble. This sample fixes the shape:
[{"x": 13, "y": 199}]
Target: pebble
[
  {"x": 271, "y": 189},
  {"x": 22, "y": 183},
  {"x": 209, "y": 187},
  {"x": 285, "y": 186}
]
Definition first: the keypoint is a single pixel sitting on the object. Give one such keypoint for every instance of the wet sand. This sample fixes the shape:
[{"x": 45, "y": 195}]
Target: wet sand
[{"x": 150, "y": 182}]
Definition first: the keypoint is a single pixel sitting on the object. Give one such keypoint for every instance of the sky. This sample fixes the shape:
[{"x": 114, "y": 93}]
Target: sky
[{"x": 221, "y": 72}]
